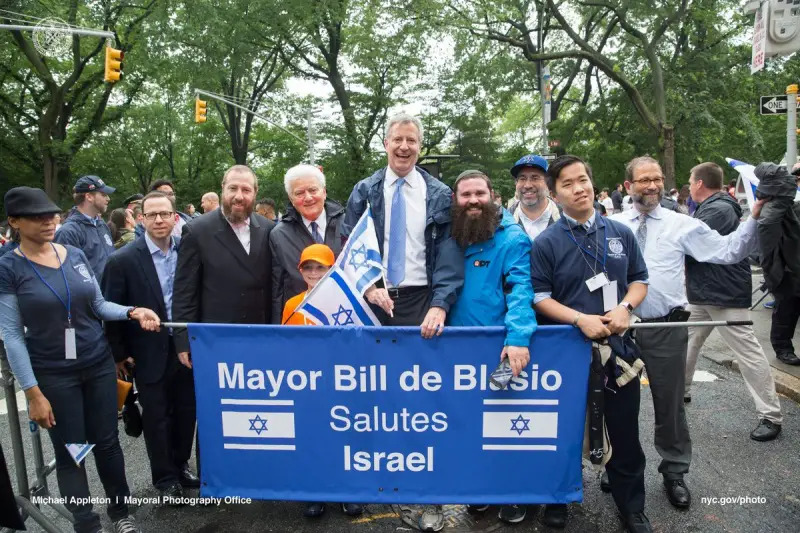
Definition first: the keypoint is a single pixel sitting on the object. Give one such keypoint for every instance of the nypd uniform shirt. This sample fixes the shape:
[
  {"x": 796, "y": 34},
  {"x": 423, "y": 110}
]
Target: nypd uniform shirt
[{"x": 565, "y": 255}]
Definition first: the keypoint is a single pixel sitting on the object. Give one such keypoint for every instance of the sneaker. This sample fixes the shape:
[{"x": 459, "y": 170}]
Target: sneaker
[
  {"x": 766, "y": 430},
  {"x": 512, "y": 514},
  {"x": 769, "y": 305},
  {"x": 432, "y": 518},
  {"x": 477, "y": 508},
  {"x": 126, "y": 525}
]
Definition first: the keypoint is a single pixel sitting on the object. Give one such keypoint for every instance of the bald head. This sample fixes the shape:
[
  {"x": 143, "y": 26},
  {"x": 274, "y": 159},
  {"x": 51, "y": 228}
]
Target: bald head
[{"x": 209, "y": 202}]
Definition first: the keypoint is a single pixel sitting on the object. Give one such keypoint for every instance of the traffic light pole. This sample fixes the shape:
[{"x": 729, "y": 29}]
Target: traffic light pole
[
  {"x": 73, "y": 31},
  {"x": 262, "y": 117},
  {"x": 791, "y": 126}
]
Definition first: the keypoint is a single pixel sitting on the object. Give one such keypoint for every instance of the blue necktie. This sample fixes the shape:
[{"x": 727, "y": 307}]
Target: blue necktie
[
  {"x": 315, "y": 233},
  {"x": 397, "y": 236}
]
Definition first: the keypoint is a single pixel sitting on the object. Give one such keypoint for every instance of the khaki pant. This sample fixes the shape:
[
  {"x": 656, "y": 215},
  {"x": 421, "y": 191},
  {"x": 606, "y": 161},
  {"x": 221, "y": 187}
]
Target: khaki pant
[{"x": 749, "y": 355}]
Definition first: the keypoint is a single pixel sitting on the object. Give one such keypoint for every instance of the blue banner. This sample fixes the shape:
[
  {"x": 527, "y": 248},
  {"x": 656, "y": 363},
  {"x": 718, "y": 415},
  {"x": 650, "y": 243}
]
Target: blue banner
[{"x": 380, "y": 415}]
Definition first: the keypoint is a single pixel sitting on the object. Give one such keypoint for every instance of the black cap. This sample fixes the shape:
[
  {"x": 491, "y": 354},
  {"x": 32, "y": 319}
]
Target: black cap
[
  {"x": 92, "y": 184},
  {"x": 27, "y": 201},
  {"x": 133, "y": 198}
]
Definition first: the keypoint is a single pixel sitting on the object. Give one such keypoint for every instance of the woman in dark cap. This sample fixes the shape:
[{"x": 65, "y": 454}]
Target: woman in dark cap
[{"x": 63, "y": 362}]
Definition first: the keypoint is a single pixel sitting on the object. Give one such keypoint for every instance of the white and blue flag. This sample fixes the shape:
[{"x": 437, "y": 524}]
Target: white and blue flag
[
  {"x": 750, "y": 181},
  {"x": 266, "y": 425},
  {"x": 520, "y": 425},
  {"x": 360, "y": 260},
  {"x": 335, "y": 302}
]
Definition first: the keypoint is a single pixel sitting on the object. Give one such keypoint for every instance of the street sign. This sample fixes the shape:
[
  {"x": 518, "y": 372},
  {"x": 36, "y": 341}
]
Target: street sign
[
  {"x": 553, "y": 143},
  {"x": 773, "y": 105},
  {"x": 759, "y": 40}
]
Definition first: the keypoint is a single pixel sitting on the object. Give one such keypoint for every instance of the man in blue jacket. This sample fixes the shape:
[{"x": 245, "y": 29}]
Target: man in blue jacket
[
  {"x": 411, "y": 209},
  {"x": 497, "y": 287},
  {"x": 85, "y": 228}
]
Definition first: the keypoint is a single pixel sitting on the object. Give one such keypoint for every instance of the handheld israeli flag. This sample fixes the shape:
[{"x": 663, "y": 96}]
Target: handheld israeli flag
[
  {"x": 749, "y": 179},
  {"x": 335, "y": 302},
  {"x": 360, "y": 261}
]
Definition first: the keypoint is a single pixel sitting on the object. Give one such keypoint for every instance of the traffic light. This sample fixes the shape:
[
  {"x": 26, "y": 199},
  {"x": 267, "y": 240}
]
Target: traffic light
[
  {"x": 200, "y": 109},
  {"x": 113, "y": 64}
]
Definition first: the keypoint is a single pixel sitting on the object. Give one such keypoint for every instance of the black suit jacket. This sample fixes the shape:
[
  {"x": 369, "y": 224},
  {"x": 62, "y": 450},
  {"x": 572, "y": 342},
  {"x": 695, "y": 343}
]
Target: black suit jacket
[
  {"x": 130, "y": 278},
  {"x": 216, "y": 280}
]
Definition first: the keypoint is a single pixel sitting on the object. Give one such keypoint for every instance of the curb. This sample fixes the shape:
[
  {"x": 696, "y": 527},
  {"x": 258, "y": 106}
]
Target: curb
[{"x": 785, "y": 383}]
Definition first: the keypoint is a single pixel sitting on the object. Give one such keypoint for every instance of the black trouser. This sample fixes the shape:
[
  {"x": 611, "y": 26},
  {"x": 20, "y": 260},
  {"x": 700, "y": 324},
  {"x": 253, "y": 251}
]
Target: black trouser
[
  {"x": 411, "y": 304},
  {"x": 626, "y": 467},
  {"x": 168, "y": 420},
  {"x": 84, "y": 404},
  {"x": 784, "y": 322}
]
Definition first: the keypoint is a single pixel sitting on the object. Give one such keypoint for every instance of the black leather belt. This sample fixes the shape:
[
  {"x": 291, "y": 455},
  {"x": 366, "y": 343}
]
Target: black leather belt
[
  {"x": 678, "y": 314},
  {"x": 397, "y": 292}
]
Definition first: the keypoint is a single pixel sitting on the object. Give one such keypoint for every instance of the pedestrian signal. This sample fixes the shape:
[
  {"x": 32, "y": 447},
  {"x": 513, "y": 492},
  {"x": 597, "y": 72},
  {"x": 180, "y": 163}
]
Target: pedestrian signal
[
  {"x": 200, "y": 109},
  {"x": 113, "y": 64}
]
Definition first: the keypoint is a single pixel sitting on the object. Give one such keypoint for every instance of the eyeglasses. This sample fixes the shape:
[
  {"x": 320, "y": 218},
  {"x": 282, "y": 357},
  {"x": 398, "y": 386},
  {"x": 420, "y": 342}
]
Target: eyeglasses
[
  {"x": 314, "y": 268},
  {"x": 648, "y": 181},
  {"x": 163, "y": 214},
  {"x": 530, "y": 179}
]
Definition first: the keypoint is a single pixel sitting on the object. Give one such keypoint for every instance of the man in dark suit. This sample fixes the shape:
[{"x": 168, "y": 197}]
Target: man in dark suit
[
  {"x": 224, "y": 264},
  {"x": 142, "y": 275}
]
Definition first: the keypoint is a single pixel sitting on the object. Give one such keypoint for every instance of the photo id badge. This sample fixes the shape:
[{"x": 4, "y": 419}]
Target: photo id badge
[
  {"x": 595, "y": 282},
  {"x": 610, "y": 296},
  {"x": 69, "y": 343}
]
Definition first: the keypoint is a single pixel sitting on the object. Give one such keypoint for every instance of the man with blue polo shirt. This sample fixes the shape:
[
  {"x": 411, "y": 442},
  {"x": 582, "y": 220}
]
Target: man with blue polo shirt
[
  {"x": 85, "y": 228},
  {"x": 588, "y": 271},
  {"x": 497, "y": 281}
]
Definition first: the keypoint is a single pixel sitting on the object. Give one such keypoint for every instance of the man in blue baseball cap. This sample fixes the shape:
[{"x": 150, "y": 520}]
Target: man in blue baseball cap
[
  {"x": 84, "y": 228},
  {"x": 534, "y": 210}
]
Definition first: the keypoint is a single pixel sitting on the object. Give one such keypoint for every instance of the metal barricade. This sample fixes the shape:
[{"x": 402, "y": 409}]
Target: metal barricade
[{"x": 28, "y": 491}]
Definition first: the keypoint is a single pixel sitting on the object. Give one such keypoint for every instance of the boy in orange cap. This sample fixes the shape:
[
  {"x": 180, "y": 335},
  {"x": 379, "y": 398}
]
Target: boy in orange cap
[{"x": 315, "y": 261}]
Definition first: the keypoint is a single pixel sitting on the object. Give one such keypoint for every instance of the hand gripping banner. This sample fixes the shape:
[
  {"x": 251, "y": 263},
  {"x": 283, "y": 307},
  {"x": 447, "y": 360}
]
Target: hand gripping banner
[{"x": 382, "y": 415}]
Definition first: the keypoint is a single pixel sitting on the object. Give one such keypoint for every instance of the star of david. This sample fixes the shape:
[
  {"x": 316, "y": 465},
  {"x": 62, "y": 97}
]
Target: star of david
[
  {"x": 519, "y": 420},
  {"x": 258, "y": 424},
  {"x": 358, "y": 257},
  {"x": 342, "y": 317}
]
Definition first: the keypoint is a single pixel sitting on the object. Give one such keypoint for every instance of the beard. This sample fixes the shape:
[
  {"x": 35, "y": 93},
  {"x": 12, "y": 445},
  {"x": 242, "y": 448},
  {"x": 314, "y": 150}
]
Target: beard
[
  {"x": 467, "y": 229},
  {"x": 236, "y": 218},
  {"x": 646, "y": 202},
  {"x": 530, "y": 204}
]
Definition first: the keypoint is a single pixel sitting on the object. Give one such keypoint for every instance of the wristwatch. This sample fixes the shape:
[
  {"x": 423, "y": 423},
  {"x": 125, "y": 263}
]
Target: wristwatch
[
  {"x": 130, "y": 312},
  {"x": 628, "y": 307}
]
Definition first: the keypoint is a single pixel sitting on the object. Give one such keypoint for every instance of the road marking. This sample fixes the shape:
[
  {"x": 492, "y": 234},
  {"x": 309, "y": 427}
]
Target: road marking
[
  {"x": 703, "y": 375},
  {"x": 372, "y": 518},
  {"x": 21, "y": 405}
]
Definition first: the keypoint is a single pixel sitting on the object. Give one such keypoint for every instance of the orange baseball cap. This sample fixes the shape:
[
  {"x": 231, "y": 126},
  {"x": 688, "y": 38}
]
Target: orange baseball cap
[{"x": 319, "y": 253}]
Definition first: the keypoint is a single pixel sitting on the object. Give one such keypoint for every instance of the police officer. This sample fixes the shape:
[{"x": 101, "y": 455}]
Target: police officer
[
  {"x": 84, "y": 227},
  {"x": 588, "y": 271}
]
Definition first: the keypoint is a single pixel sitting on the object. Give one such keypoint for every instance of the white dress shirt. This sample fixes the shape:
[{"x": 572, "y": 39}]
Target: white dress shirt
[
  {"x": 534, "y": 227},
  {"x": 242, "y": 232},
  {"x": 671, "y": 237},
  {"x": 322, "y": 224},
  {"x": 415, "y": 193}
]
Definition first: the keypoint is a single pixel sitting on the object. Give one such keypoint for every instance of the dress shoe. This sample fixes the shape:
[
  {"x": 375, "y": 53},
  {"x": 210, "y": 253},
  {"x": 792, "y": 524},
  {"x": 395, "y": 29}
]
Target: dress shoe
[
  {"x": 555, "y": 515},
  {"x": 788, "y": 357},
  {"x": 314, "y": 509},
  {"x": 766, "y": 430},
  {"x": 512, "y": 514},
  {"x": 637, "y": 523},
  {"x": 188, "y": 479},
  {"x": 170, "y": 494},
  {"x": 352, "y": 509},
  {"x": 605, "y": 484},
  {"x": 687, "y": 398},
  {"x": 476, "y": 508},
  {"x": 678, "y": 493}
]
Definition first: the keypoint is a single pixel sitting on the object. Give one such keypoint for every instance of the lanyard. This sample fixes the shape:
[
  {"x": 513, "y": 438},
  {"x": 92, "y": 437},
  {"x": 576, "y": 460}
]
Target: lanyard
[
  {"x": 589, "y": 252},
  {"x": 68, "y": 303}
]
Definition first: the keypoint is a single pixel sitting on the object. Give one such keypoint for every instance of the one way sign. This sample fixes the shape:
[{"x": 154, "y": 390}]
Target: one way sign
[{"x": 773, "y": 105}]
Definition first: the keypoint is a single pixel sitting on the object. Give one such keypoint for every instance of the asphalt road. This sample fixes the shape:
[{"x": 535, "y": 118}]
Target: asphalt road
[{"x": 726, "y": 464}]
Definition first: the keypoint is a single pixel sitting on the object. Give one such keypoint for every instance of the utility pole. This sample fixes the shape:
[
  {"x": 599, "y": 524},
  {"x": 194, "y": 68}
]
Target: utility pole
[
  {"x": 544, "y": 82},
  {"x": 791, "y": 126}
]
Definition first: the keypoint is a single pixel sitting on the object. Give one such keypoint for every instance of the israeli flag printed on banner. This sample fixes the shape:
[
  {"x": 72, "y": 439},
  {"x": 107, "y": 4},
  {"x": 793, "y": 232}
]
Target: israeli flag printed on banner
[
  {"x": 520, "y": 425},
  {"x": 259, "y": 425},
  {"x": 335, "y": 302},
  {"x": 360, "y": 260}
]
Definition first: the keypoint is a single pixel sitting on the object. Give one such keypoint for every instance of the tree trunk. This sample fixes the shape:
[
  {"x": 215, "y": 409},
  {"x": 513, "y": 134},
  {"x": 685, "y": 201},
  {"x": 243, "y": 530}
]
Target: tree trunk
[
  {"x": 51, "y": 181},
  {"x": 666, "y": 146}
]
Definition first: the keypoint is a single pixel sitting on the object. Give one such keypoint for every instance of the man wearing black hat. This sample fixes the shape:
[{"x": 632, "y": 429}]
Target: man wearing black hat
[{"x": 84, "y": 227}]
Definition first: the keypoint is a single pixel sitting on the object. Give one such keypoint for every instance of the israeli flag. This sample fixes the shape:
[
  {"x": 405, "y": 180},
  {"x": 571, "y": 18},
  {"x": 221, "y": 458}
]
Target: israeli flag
[
  {"x": 360, "y": 260},
  {"x": 266, "y": 425},
  {"x": 750, "y": 181},
  {"x": 335, "y": 302},
  {"x": 520, "y": 425}
]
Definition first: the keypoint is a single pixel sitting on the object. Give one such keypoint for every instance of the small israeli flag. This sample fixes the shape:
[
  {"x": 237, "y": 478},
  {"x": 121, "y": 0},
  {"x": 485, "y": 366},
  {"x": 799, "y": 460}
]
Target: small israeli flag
[
  {"x": 79, "y": 451},
  {"x": 335, "y": 302},
  {"x": 360, "y": 260},
  {"x": 749, "y": 179},
  {"x": 520, "y": 425}
]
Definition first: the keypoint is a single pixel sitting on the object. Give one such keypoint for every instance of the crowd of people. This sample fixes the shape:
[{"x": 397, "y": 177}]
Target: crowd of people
[{"x": 560, "y": 254}]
